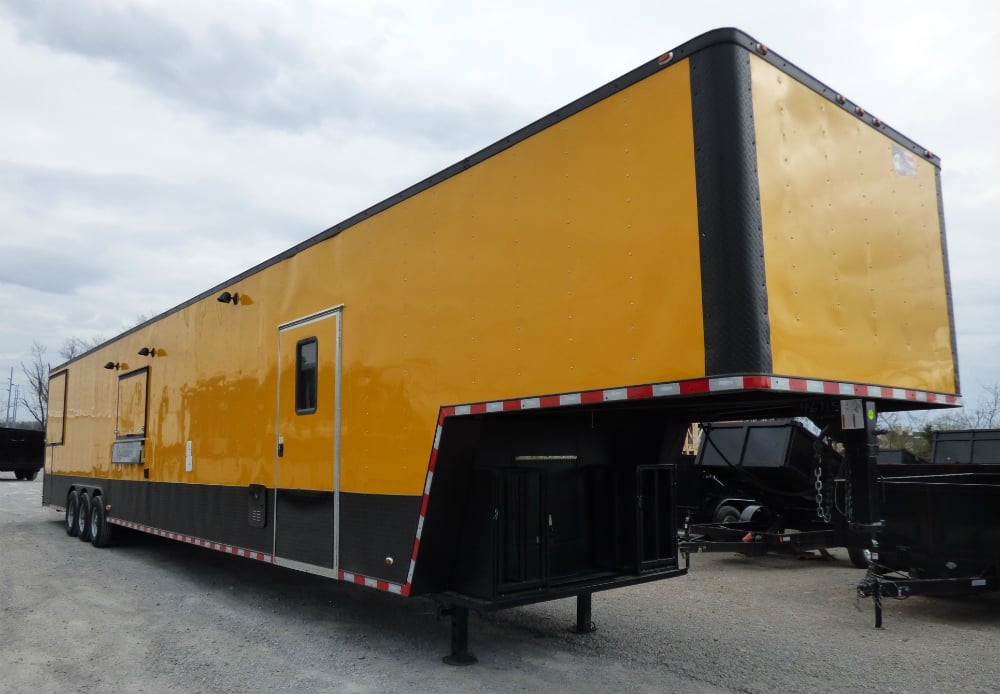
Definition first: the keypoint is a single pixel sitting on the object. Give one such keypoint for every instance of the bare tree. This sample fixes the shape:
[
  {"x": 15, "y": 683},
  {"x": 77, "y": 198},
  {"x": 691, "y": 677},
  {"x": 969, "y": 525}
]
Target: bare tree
[
  {"x": 985, "y": 414},
  {"x": 75, "y": 346},
  {"x": 36, "y": 399}
]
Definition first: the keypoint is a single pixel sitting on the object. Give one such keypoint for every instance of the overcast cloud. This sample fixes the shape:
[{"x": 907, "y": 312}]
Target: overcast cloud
[{"x": 150, "y": 150}]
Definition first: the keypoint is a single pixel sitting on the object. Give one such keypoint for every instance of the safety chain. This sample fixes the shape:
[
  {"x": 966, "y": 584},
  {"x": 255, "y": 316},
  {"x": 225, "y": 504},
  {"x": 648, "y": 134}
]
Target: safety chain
[
  {"x": 821, "y": 512},
  {"x": 822, "y": 501},
  {"x": 849, "y": 499},
  {"x": 866, "y": 586}
]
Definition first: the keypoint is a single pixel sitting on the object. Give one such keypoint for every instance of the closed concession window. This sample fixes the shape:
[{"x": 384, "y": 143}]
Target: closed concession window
[
  {"x": 306, "y": 375},
  {"x": 132, "y": 403},
  {"x": 55, "y": 428}
]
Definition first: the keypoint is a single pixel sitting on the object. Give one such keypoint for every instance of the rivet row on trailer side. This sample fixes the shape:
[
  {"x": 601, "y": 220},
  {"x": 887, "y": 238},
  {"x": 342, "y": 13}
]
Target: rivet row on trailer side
[{"x": 477, "y": 389}]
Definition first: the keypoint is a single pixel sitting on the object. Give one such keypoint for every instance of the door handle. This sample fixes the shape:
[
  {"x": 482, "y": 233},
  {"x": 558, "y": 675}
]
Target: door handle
[{"x": 281, "y": 450}]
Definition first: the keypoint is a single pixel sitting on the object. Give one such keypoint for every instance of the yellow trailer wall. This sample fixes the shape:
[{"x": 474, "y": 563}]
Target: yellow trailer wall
[
  {"x": 567, "y": 262},
  {"x": 854, "y": 254}
]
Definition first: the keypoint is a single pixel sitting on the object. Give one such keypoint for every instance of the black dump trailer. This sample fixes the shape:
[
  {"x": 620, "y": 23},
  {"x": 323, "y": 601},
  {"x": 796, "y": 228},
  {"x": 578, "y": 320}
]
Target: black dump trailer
[
  {"x": 966, "y": 447},
  {"x": 898, "y": 456},
  {"x": 22, "y": 451},
  {"x": 941, "y": 531},
  {"x": 766, "y": 486}
]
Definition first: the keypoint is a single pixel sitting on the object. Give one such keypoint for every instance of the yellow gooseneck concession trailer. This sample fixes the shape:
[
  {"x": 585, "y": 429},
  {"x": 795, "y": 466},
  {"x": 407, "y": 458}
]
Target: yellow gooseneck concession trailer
[{"x": 477, "y": 388}]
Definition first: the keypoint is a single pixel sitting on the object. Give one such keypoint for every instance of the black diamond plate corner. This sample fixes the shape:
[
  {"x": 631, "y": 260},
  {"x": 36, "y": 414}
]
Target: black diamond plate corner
[{"x": 734, "y": 288}]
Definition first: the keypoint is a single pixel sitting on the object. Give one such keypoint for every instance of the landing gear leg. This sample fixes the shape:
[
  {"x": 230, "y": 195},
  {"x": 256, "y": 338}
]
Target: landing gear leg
[
  {"x": 460, "y": 654},
  {"x": 584, "y": 623}
]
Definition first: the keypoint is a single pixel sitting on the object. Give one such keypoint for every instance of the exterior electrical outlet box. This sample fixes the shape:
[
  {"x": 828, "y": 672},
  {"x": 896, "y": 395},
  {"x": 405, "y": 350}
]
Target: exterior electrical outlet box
[{"x": 257, "y": 511}]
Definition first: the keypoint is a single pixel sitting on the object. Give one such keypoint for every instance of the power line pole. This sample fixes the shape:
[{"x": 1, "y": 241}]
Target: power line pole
[{"x": 10, "y": 389}]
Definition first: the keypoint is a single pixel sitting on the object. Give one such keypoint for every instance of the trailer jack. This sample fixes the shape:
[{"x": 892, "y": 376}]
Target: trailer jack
[
  {"x": 459, "y": 616},
  {"x": 871, "y": 586},
  {"x": 460, "y": 654},
  {"x": 584, "y": 623}
]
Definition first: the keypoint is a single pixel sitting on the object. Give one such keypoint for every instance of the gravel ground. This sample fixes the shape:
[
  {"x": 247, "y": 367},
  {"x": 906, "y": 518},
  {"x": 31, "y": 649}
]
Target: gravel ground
[{"x": 151, "y": 615}]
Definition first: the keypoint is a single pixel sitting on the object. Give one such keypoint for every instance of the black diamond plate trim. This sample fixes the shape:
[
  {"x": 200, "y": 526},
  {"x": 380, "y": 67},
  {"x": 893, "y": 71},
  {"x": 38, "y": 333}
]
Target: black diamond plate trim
[{"x": 734, "y": 289}]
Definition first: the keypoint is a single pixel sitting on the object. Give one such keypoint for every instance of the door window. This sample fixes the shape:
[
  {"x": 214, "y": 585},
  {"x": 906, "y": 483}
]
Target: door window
[{"x": 306, "y": 375}]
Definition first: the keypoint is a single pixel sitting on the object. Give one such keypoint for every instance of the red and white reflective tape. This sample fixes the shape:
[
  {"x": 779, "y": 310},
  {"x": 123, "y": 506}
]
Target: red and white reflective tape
[
  {"x": 357, "y": 579},
  {"x": 856, "y": 390},
  {"x": 376, "y": 583},
  {"x": 405, "y": 589},
  {"x": 699, "y": 386},
  {"x": 197, "y": 541}
]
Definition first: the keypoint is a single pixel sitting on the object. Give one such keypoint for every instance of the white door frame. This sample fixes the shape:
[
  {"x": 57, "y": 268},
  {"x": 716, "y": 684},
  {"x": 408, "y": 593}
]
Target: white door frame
[{"x": 289, "y": 325}]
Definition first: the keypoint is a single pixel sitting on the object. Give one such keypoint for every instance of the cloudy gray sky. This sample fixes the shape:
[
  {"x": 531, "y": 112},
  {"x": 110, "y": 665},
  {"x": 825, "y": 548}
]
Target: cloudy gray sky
[{"x": 151, "y": 149}]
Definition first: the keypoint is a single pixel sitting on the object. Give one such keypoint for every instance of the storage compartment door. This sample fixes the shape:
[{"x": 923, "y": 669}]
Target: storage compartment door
[
  {"x": 656, "y": 515},
  {"x": 521, "y": 530},
  {"x": 554, "y": 525}
]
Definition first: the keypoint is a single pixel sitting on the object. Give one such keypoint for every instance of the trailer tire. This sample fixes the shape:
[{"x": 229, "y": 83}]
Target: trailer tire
[
  {"x": 726, "y": 514},
  {"x": 72, "y": 509},
  {"x": 100, "y": 529},
  {"x": 83, "y": 517},
  {"x": 30, "y": 475},
  {"x": 859, "y": 556}
]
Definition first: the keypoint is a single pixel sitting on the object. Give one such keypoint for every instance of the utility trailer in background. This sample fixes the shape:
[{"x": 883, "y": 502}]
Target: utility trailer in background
[
  {"x": 898, "y": 456},
  {"x": 942, "y": 521},
  {"x": 22, "y": 451},
  {"x": 477, "y": 390},
  {"x": 766, "y": 486},
  {"x": 763, "y": 469},
  {"x": 966, "y": 447}
]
